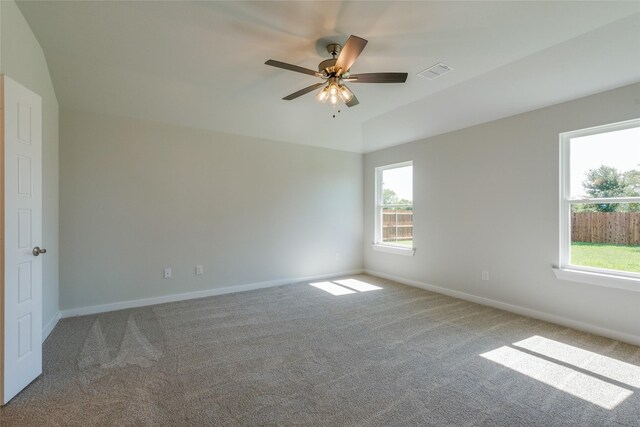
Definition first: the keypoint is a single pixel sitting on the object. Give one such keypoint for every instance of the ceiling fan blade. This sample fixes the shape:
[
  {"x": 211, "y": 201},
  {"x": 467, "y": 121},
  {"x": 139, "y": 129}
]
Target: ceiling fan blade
[
  {"x": 350, "y": 52},
  {"x": 353, "y": 101},
  {"x": 378, "y": 78},
  {"x": 292, "y": 67},
  {"x": 304, "y": 91}
]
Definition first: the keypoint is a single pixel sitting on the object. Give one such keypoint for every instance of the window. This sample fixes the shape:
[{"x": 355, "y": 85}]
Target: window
[
  {"x": 394, "y": 208},
  {"x": 600, "y": 202}
]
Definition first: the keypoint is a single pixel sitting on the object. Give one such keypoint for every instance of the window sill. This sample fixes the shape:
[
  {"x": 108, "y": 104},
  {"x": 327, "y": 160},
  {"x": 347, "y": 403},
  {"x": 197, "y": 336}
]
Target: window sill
[
  {"x": 598, "y": 279},
  {"x": 393, "y": 249}
]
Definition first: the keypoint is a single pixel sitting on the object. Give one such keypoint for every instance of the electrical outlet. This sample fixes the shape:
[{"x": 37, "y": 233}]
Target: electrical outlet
[
  {"x": 485, "y": 275},
  {"x": 167, "y": 273},
  {"x": 199, "y": 270}
]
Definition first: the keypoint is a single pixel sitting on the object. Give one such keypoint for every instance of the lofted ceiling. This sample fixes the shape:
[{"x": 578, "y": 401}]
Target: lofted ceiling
[{"x": 201, "y": 64}]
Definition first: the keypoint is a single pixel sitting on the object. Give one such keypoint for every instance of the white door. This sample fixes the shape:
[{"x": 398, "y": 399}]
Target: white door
[{"x": 23, "y": 233}]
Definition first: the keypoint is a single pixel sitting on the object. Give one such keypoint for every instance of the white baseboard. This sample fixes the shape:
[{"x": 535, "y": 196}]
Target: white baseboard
[
  {"x": 94, "y": 309},
  {"x": 46, "y": 331},
  {"x": 574, "y": 324}
]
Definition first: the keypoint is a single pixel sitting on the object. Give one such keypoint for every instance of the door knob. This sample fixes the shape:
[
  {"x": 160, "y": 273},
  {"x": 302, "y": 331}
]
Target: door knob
[{"x": 37, "y": 251}]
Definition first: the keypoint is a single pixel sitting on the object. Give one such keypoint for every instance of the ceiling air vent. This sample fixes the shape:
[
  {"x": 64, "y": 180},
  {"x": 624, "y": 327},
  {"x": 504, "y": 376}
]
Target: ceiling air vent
[{"x": 435, "y": 71}]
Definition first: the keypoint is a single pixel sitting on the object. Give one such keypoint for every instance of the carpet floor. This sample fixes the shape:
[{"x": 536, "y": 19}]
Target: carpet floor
[{"x": 351, "y": 351}]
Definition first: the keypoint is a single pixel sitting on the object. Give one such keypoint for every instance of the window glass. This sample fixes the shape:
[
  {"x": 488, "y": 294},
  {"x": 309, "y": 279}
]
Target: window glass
[
  {"x": 605, "y": 164},
  {"x": 395, "y": 205},
  {"x": 606, "y": 236},
  {"x": 601, "y": 199}
]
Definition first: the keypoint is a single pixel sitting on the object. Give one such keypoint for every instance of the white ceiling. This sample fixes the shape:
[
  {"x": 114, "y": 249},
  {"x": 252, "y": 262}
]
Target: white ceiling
[{"x": 201, "y": 64}]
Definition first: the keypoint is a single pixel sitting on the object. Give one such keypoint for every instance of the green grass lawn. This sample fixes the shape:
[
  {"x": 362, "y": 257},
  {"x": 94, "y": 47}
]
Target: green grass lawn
[
  {"x": 612, "y": 257},
  {"x": 407, "y": 243}
]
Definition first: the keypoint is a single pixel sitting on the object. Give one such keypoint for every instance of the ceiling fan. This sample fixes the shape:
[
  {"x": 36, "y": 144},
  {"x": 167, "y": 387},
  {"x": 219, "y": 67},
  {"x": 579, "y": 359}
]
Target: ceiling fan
[{"x": 336, "y": 71}]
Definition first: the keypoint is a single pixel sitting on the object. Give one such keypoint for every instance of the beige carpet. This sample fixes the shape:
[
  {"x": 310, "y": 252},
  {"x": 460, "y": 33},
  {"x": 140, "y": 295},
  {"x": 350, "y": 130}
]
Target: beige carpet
[{"x": 358, "y": 352}]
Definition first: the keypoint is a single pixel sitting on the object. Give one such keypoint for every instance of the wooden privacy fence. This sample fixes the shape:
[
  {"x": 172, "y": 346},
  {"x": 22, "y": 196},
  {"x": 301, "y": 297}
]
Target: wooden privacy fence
[
  {"x": 397, "y": 225},
  {"x": 615, "y": 228}
]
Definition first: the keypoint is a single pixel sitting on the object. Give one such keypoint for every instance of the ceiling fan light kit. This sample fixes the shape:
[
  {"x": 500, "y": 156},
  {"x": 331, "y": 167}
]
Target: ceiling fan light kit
[
  {"x": 337, "y": 70},
  {"x": 334, "y": 90}
]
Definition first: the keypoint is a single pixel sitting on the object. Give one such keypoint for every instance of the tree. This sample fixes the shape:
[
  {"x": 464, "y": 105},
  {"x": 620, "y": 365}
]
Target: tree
[
  {"x": 606, "y": 181},
  {"x": 632, "y": 188},
  {"x": 631, "y": 181},
  {"x": 389, "y": 197}
]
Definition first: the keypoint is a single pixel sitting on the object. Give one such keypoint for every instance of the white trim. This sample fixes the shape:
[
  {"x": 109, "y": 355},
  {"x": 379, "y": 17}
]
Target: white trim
[
  {"x": 597, "y": 201},
  {"x": 94, "y": 309},
  {"x": 565, "y": 208},
  {"x": 523, "y": 311},
  {"x": 393, "y": 249},
  {"x": 610, "y": 127},
  {"x": 46, "y": 331},
  {"x": 598, "y": 278},
  {"x": 395, "y": 165},
  {"x": 604, "y": 272}
]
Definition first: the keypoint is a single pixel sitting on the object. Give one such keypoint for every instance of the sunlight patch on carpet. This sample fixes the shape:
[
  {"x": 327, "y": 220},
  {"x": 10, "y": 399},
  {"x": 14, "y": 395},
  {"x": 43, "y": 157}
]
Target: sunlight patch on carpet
[
  {"x": 573, "y": 382},
  {"x": 332, "y": 288},
  {"x": 358, "y": 285},
  {"x": 602, "y": 365}
]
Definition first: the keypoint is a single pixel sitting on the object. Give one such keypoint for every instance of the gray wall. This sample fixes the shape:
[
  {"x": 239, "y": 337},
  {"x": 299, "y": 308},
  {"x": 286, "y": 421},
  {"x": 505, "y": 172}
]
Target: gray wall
[
  {"x": 22, "y": 59},
  {"x": 137, "y": 196},
  {"x": 486, "y": 198}
]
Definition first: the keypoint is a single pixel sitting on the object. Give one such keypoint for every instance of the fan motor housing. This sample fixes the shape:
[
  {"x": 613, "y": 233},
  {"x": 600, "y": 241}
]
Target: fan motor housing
[{"x": 327, "y": 64}]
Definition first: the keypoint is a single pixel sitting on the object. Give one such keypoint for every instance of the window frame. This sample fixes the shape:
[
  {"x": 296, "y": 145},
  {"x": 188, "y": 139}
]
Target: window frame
[
  {"x": 566, "y": 270},
  {"x": 378, "y": 243}
]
